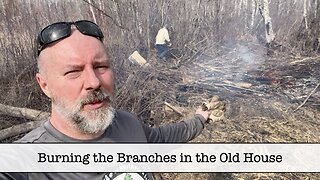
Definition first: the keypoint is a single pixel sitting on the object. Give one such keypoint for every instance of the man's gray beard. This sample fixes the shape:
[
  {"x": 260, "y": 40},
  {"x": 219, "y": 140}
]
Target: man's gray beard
[{"x": 94, "y": 121}]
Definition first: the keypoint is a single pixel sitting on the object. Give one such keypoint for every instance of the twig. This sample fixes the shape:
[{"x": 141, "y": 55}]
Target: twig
[
  {"x": 217, "y": 69},
  {"x": 107, "y": 15},
  {"x": 176, "y": 63},
  {"x": 304, "y": 102},
  {"x": 237, "y": 87}
]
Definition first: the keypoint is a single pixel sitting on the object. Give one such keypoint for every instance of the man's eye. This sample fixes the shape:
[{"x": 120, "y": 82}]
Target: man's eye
[
  {"x": 72, "y": 72},
  {"x": 102, "y": 68}
]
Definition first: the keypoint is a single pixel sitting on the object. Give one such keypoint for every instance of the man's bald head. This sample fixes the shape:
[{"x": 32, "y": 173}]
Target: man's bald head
[{"x": 75, "y": 43}]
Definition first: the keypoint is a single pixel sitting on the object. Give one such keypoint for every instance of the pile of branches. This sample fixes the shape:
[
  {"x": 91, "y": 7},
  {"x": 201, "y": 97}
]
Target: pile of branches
[{"x": 144, "y": 90}]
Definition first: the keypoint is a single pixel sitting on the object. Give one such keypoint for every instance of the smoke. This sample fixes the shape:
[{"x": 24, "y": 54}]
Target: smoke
[
  {"x": 248, "y": 59},
  {"x": 233, "y": 64}
]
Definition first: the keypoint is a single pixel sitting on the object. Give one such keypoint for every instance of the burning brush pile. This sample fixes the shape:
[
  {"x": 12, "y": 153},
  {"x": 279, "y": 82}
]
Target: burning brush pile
[{"x": 267, "y": 100}]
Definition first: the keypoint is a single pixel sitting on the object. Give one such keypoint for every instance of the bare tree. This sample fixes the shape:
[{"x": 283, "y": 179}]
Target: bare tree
[
  {"x": 264, "y": 10},
  {"x": 305, "y": 13},
  {"x": 92, "y": 11}
]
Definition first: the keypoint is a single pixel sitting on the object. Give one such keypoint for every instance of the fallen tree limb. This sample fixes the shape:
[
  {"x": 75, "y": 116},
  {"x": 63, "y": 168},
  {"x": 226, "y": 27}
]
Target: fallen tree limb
[
  {"x": 173, "y": 108},
  {"x": 18, "y": 129},
  {"x": 31, "y": 114},
  {"x": 304, "y": 60},
  {"x": 304, "y": 102},
  {"x": 234, "y": 86}
]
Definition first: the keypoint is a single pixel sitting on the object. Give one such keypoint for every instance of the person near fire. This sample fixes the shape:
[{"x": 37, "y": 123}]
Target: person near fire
[{"x": 163, "y": 42}]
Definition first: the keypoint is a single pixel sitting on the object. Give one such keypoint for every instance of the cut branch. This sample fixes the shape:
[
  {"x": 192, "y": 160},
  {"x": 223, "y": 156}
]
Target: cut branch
[
  {"x": 18, "y": 129},
  {"x": 173, "y": 108},
  {"x": 31, "y": 114}
]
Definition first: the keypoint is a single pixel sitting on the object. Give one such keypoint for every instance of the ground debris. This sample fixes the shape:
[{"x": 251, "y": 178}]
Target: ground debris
[{"x": 266, "y": 110}]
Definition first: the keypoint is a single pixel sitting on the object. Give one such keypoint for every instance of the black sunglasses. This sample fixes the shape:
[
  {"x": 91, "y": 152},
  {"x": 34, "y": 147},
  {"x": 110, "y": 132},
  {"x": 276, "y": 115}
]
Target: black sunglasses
[{"x": 60, "y": 30}]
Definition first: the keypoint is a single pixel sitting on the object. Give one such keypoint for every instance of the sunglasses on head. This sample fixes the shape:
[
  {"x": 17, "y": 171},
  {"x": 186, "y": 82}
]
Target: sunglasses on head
[{"x": 60, "y": 30}]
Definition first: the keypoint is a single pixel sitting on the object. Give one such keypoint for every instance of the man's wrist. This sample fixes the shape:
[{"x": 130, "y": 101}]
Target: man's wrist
[{"x": 201, "y": 118}]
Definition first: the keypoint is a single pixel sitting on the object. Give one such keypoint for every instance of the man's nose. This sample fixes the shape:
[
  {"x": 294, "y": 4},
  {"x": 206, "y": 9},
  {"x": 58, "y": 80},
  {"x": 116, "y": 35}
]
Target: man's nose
[{"x": 92, "y": 81}]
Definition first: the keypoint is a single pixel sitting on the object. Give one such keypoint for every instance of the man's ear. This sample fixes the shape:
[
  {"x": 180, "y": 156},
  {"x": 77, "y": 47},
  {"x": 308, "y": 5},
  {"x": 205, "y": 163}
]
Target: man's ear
[{"x": 43, "y": 84}]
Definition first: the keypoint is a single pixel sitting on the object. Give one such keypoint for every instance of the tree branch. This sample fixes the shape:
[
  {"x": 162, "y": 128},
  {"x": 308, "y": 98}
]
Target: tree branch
[
  {"x": 104, "y": 13},
  {"x": 18, "y": 129},
  {"x": 304, "y": 102},
  {"x": 173, "y": 108},
  {"x": 31, "y": 114}
]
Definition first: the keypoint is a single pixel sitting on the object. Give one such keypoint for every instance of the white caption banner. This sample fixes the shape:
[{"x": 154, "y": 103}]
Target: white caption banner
[{"x": 159, "y": 157}]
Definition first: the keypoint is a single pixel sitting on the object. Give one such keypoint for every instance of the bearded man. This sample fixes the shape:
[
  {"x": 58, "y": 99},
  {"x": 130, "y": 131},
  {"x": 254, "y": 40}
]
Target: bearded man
[{"x": 75, "y": 72}]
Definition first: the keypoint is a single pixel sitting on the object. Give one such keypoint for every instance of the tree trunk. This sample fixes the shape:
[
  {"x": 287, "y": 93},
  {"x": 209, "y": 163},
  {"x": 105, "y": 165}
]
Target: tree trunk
[
  {"x": 267, "y": 22},
  {"x": 92, "y": 11},
  {"x": 253, "y": 13},
  {"x": 305, "y": 13}
]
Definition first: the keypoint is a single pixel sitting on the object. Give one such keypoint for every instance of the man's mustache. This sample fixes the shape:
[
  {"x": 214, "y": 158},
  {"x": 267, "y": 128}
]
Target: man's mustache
[{"x": 96, "y": 96}]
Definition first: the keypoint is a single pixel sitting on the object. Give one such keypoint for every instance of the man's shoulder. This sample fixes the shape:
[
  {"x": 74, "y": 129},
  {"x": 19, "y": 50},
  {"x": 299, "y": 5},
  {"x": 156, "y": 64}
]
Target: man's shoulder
[
  {"x": 126, "y": 117},
  {"x": 125, "y": 114},
  {"x": 127, "y": 128},
  {"x": 165, "y": 29},
  {"x": 36, "y": 135}
]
